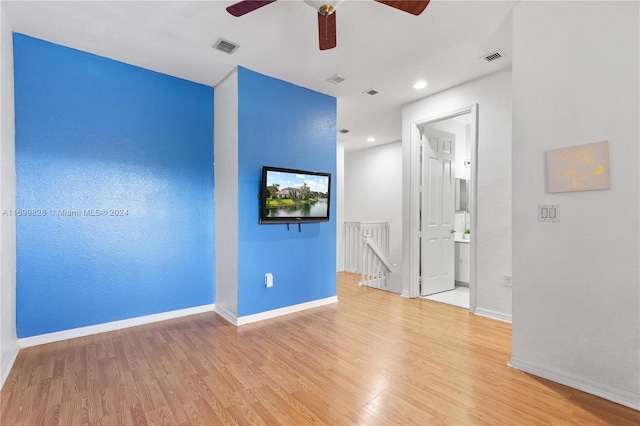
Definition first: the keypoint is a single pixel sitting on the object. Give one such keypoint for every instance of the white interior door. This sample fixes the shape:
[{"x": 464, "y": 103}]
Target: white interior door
[{"x": 437, "y": 242}]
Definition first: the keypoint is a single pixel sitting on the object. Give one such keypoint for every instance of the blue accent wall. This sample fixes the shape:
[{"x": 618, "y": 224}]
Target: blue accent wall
[
  {"x": 95, "y": 135},
  {"x": 283, "y": 125}
]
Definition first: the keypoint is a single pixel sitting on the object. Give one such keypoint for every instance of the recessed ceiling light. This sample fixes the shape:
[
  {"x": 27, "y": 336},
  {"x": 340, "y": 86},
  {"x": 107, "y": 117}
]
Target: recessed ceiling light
[
  {"x": 420, "y": 85},
  {"x": 371, "y": 139}
]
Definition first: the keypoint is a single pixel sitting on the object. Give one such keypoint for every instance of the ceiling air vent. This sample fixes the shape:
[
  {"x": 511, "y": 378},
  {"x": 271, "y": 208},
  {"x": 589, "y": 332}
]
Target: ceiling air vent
[
  {"x": 371, "y": 92},
  {"x": 344, "y": 131},
  {"x": 336, "y": 79},
  {"x": 493, "y": 56},
  {"x": 226, "y": 46}
]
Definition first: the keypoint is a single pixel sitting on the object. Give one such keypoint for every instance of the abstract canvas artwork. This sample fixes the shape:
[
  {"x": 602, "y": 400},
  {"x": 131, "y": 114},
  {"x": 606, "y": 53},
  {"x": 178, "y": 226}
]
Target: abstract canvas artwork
[{"x": 578, "y": 168}]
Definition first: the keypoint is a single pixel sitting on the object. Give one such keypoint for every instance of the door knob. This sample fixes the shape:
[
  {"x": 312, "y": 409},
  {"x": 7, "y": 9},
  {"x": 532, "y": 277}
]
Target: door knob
[{"x": 453, "y": 231}]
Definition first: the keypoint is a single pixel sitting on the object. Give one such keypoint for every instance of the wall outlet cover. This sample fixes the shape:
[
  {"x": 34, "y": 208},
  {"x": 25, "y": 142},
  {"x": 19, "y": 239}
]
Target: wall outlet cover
[{"x": 507, "y": 280}]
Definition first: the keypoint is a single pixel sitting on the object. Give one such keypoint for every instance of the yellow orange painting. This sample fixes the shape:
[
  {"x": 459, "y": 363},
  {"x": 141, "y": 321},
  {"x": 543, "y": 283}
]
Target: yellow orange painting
[{"x": 578, "y": 168}]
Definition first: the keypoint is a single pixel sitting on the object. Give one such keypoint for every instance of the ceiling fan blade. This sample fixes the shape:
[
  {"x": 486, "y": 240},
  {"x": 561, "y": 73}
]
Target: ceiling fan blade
[
  {"x": 414, "y": 7},
  {"x": 327, "y": 31},
  {"x": 246, "y": 6}
]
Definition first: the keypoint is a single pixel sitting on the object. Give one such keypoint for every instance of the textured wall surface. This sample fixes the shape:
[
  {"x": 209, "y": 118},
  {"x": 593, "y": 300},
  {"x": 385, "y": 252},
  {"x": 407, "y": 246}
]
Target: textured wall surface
[
  {"x": 94, "y": 137},
  {"x": 226, "y": 195},
  {"x": 373, "y": 192},
  {"x": 340, "y": 208},
  {"x": 576, "y": 283},
  {"x": 283, "y": 125},
  {"x": 492, "y": 93},
  {"x": 8, "y": 337}
]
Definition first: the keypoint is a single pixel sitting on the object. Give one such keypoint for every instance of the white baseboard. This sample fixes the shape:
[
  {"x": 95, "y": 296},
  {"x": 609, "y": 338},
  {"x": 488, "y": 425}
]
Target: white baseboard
[
  {"x": 41, "y": 339},
  {"x": 232, "y": 318},
  {"x": 619, "y": 396},
  {"x": 500, "y": 316},
  {"x": 7, "y": 363},
  {"x": 285, "y": 311}
]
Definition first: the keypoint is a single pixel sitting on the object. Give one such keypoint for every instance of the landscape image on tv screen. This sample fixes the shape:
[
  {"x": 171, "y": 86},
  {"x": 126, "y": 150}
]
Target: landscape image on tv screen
[{"x": 296, "y": 195}]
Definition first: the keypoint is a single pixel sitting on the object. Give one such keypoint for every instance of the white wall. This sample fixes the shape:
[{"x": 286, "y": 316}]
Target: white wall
[
  {"x": 8, "y": 338},
  {"x": 492, "y": 93},
  {"x": 340, "y": 206},
  {"x": 373, "y": 192},
  {"x": 576, "y": 300},
  {"x": 225, "y": 154}
]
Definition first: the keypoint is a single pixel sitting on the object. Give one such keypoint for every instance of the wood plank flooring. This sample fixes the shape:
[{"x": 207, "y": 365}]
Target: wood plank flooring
[{"x": 373, "y": 358}]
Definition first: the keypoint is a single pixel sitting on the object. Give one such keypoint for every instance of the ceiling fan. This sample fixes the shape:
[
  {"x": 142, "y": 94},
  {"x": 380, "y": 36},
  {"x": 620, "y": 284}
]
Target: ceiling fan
[{"x": 327, "y": 13}]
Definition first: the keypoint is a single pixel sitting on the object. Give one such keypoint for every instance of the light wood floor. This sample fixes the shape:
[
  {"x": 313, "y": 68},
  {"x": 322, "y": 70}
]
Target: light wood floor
[{"x": 373, "y": 358}]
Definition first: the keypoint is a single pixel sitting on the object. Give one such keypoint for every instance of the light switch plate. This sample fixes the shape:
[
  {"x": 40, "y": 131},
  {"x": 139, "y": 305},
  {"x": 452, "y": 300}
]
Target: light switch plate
[{"x": 548, "y": 212}]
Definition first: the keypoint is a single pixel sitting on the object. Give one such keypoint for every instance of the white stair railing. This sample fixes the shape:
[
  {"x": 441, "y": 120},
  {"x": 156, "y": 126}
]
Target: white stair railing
[
  {"x": 367, "y": 252},
  {"x": 353, "y": 247}
]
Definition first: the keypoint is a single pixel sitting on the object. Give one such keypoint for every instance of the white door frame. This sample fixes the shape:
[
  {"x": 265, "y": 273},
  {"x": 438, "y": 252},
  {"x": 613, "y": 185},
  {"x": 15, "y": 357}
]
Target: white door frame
[{"x": 414, "y": 200}]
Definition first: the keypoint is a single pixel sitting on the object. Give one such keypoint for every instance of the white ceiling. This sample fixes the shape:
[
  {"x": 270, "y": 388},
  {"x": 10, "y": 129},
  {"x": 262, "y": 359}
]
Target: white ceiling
[{"x": 378, "y": 47}]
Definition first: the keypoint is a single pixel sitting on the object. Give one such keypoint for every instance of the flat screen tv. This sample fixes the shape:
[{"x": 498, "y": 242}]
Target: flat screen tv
[{"x": 294, "y": 196}]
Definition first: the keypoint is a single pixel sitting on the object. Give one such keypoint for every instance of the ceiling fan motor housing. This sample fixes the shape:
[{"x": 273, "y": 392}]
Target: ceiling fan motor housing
[{"x": 324, "y": 7}]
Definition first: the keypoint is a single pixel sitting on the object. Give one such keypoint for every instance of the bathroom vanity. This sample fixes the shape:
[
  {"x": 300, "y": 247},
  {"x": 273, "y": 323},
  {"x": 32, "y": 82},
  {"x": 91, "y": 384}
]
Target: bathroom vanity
[{"x": 463, "y": 262}]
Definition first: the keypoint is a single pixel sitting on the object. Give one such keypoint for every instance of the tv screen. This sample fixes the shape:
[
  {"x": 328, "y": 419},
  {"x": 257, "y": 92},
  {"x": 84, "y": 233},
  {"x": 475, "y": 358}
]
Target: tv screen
[{"x": 294, "y": 196}]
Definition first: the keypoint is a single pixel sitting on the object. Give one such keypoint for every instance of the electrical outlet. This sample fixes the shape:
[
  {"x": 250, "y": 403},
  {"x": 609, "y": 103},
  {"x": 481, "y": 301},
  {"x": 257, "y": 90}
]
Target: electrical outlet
[
  {"x": 268, "y": 280},
  {"x": 507, "y": 280}
]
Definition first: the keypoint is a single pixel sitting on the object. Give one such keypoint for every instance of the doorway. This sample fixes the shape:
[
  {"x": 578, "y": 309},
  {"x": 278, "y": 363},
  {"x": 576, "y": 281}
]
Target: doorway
[
  {"x": 453, "y": 213},
  {"x": 443, "y": 198}
]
